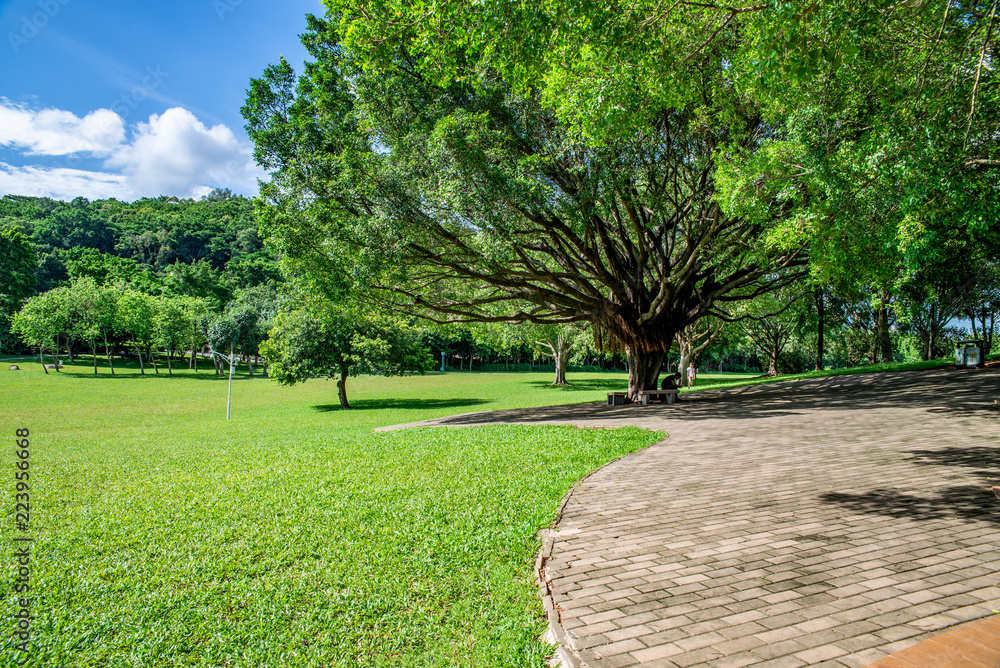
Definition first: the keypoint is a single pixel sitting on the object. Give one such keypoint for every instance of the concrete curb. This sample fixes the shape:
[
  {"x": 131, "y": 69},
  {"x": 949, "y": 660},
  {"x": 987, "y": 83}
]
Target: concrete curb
[{"x": 566, "y": 655}]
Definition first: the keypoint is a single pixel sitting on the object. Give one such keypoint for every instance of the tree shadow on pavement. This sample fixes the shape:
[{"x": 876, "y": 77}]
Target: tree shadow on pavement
[
  {"x": 983, "y": 458},
  {"x": 970, "y": 502},
  {"x": 940, "y": 392}
]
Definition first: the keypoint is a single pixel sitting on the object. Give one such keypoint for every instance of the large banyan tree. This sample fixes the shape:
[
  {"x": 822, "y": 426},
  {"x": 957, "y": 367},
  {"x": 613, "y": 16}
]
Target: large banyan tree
[{"x": 470, "y": 200}]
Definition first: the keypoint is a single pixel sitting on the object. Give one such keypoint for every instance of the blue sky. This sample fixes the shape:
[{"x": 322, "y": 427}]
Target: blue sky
[{"x": 106, "y": 98}]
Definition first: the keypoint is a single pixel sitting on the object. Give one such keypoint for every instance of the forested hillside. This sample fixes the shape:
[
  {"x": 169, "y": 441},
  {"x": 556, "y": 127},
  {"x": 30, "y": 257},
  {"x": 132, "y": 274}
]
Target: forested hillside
[
  {"x": 143, "y": 241},
  {"x": 206, "y": 249}
]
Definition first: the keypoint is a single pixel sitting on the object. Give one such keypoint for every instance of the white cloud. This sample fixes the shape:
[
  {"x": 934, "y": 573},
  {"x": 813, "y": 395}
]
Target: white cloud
[
  {"x": 175, "y": 153},
  {"x": 172, "y": 154},
  {"x": 59, "y": 132},
  {"x": 62, "y": 183}
]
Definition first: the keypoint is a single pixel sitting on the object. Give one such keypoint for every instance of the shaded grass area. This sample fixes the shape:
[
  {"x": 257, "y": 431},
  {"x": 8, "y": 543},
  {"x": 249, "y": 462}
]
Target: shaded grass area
[{"x": 292, "y": 535}]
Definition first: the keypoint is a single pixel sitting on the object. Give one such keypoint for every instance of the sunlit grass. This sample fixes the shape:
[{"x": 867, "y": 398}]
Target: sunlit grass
[{"x": 292, "y": 535}]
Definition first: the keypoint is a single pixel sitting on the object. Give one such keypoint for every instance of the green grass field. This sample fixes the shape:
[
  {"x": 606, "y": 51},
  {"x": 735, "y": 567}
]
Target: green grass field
[{"x": 292, "y": 535}]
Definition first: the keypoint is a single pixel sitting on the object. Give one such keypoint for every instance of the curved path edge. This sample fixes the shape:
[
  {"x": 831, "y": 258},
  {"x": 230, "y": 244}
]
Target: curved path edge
[
  {"x": 567, "y": 654},
  {"x": 830, "y": 522}
]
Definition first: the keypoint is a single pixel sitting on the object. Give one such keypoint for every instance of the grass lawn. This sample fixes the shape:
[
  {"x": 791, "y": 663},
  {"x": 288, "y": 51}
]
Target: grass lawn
[{"x": 292, "y": 535}]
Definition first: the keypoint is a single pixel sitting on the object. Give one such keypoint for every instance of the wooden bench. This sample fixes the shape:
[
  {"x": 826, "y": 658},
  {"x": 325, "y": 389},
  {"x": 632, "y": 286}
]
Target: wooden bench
[
  {"x": 668, "y": 395},
  {"x": 618, "y": 398}
]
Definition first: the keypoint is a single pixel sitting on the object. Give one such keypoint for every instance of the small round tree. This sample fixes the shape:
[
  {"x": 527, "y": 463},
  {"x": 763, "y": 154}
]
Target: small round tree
[{"x": 338, "y": 341}]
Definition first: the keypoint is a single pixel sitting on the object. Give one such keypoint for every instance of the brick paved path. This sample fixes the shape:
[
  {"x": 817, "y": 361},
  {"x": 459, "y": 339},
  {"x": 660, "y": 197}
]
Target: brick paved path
[{"x": 810, "y": 523}]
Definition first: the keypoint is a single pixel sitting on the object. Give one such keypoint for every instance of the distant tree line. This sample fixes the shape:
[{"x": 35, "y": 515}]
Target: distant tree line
[
  {"x": 206, "y": 249},
  {"x": 117, "y": 320}
]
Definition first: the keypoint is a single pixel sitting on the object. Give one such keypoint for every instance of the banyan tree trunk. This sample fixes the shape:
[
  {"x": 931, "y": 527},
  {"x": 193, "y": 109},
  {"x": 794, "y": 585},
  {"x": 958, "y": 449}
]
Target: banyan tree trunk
[
  {"x": 773, "y": 360},
  {"x": 560, "y": 377},
  {"x": 643, "y": 371}
]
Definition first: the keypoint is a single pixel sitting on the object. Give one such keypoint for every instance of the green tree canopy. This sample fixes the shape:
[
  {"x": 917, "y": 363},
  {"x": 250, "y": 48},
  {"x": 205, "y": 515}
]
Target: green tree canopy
[
  {"x": 41, "y": 320},
  {"x": 91, "y": 314},
  {"x": 878, "y": 136},
  {"x": 197, "y": 279},
  {"x": 244, "y": 324},
  {"x": 135, "y": 316},
  {"x": 17, "y": 271},
  {"x": 170, "y": 326},
  {"x": 466, "y": 201},
  {"x": 342, "y": 340}
]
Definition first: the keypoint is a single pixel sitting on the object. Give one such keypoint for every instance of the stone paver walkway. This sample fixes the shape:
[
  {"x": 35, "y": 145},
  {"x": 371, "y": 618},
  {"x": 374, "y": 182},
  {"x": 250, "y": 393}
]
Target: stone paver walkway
[{"x": 828, "y": 522}]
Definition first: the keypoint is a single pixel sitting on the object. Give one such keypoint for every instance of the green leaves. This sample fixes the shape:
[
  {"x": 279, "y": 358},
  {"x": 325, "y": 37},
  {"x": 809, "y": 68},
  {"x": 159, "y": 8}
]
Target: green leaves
[
  {"x": 41, "y": 318},
  {"x": 269, "y": 115},
  {"x": 197, "y": 279},
  {"x": 134, "y": 313},
  {"x": 17, "y": 270},
  {"x": 336, "y": 340},
  {"x": 171, "y": 324}
]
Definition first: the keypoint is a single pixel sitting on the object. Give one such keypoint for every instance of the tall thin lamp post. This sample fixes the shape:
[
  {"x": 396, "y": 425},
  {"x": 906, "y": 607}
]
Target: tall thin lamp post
[{"x": 229, "y": 396}]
